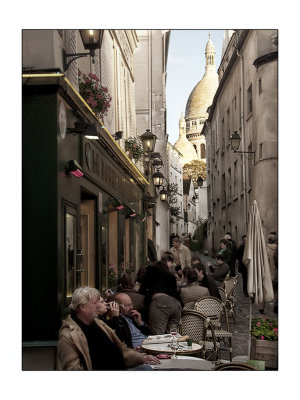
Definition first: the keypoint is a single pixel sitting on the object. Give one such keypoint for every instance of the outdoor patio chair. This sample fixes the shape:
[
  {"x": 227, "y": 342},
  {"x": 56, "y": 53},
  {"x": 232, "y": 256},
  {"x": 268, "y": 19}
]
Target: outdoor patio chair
[
  {"x": 196, "y": 326},
  {"x": 189, "y": 303},
  {"x": 215, "y": 309},
  {"x": 222, "y": 294},
  {"x": 229, "y": 288},
  {"x": 235, "y": 366}
]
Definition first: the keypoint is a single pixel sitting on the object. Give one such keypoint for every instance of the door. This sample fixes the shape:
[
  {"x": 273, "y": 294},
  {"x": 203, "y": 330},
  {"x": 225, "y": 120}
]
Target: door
[{"x": 86, "y": 251}]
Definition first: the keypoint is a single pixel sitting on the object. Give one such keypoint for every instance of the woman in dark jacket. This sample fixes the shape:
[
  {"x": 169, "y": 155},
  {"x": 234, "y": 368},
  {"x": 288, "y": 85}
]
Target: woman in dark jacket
[
  {"x": 161, "y": 298},
  {"x": 207, "y": 281}
]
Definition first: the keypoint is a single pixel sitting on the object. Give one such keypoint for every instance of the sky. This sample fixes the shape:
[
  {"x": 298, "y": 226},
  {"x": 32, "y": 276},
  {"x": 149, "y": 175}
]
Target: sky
[{"x": 185, "y": 68}]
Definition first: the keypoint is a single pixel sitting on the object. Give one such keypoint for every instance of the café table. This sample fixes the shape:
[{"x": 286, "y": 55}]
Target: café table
[
  {"x": 184, "y": 363},
  {"x": 184, "y": 349}
]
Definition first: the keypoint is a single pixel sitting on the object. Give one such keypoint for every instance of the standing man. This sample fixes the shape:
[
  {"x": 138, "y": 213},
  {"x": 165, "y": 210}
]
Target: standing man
[
  {"x": 181, "y": 253},
  {"x": 233, "y": 248},
  {"x": 226, "y": 253},
  {"x": 242, "y": 267},
  {"x": 87, "y": 343}
]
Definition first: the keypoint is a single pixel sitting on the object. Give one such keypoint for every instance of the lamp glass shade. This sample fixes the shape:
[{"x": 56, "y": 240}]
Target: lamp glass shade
[
  {"x": 163, "y": 194},
  {"x": 235, "y": 141},
  {"x": 91, "y": 38},
  {"x": 158, "y": 179},
  {"x": 148, "y": 140}
]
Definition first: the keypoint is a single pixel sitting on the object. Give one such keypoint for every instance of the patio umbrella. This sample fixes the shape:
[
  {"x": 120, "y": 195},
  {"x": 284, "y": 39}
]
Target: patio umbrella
[{"x": 259, "y": 284}]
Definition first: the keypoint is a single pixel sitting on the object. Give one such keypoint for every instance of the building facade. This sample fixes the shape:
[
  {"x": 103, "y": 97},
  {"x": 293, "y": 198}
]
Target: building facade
[
  {"x": 84, "y": 214},
  {"x": 175, "y": 177},
  {"x": 245, "y": 102},
  {"x": 150, "y": 92}
]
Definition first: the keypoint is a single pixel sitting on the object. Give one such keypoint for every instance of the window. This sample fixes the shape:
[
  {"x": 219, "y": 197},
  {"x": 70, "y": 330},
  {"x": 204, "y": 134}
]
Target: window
[
  {"x": 259, "y": 86},
  {"x": 229, "y": 183},
  {"x": 249, "y": 99},
  {"x": 223, "y": 189},
  {"x": 260, "y": 151},
  {"x": 228, "y": 122},
  {"x": 235, "y": 178},
  {"x": 203, "y": 155}
]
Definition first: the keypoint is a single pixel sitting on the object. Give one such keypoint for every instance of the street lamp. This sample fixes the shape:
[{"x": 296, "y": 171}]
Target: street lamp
[
  {"x": 91, "y": 39},
  {"x": 235, "y": 141},
  {"x": 148, "y": 140},
  {"x": 158, "y": 179}
]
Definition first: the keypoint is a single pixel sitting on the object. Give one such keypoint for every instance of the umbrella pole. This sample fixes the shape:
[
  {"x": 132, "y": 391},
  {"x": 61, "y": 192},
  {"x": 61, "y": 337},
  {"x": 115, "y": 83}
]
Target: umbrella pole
[{"x": 250, "y": 320}]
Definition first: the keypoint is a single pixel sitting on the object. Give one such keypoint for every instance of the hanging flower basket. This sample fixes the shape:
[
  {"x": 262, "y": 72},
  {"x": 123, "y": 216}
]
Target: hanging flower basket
[
  {"x": 96, "y": 96},
  {"x": 134, "y": 148}
]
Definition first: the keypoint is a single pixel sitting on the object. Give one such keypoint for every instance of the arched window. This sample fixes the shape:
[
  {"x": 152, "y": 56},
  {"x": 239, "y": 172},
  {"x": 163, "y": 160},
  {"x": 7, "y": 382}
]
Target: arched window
[{"x": 202, "y": 148}]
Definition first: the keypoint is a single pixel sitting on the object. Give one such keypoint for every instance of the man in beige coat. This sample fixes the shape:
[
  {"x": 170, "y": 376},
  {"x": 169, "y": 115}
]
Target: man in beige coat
[
  {"x": 87, "y": 343},
  {"x": 181, "y": 253}
]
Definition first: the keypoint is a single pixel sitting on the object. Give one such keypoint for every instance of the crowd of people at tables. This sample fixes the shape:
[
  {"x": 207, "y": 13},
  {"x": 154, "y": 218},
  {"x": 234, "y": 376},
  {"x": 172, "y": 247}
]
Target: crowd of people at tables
[{"x": 106, "y": 332}]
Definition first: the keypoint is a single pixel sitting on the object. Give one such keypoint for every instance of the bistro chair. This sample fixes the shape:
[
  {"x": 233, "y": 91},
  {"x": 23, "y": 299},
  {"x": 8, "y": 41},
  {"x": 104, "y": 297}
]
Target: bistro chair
[
  {"x": 214, "y": 309},
  {"x": 222, "y": 294},
  {"x": 196, "y": 326},
  {"x": 189, "y": 303},
  {"x": 235, "y": 366},
  {"x": 229, "y": 288}
]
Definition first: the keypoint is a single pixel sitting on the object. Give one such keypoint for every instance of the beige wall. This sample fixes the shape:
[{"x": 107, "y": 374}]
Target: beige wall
[{"x": 229, "y": 201}]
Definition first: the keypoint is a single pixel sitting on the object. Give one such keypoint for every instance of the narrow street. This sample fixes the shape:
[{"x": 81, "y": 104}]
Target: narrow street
[{"x": 240, "y": 329}]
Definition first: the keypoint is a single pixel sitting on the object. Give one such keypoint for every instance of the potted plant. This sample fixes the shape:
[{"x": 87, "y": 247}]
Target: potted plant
[
  {"x": 264, "y": 341},
  {"x": 134, "y": 148},
  {"x": 96, "y": 96}
]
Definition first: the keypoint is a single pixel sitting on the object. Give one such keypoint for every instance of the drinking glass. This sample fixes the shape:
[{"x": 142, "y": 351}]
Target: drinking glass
[{"x": 174, "y": 340}]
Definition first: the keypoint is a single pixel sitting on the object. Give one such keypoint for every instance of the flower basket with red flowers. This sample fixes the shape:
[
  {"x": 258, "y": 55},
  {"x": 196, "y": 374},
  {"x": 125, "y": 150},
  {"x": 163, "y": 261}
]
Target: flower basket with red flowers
[
  {"x": 264, "y": 341},
  {"x": 96, "y": 96},
  {"x": 134, "y": 148}
]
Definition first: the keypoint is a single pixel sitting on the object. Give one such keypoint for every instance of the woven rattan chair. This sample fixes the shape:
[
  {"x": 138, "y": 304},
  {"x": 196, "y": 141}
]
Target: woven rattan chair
[
  {"x": 229, "y": 288},
  {"x": 189, "y": 303},
  {"x": 196, "y": 326},
  {"x": 222, "y": 294},
  {"x": 214, "y": 309},
  {"x": 235, "y": 366}
]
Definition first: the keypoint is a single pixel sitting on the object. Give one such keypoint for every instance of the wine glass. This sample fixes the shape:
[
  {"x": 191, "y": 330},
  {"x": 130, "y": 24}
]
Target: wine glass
[{"x": 174, "y": 340}]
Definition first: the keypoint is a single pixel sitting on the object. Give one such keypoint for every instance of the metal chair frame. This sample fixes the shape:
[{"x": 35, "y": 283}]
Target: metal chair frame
[
  {"x": 229, "y": 288},
  {"x": 235, "y": 366},
  {"x": 214, "y": 309},
  {"x": 196, "y": 326}
]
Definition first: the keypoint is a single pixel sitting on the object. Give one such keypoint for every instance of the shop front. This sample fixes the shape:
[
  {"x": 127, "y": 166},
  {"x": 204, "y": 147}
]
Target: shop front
[{"x": 83, "y": 211}]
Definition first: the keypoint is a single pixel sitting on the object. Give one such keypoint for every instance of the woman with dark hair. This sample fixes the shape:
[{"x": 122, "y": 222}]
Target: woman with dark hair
[
  {"x": 127, "y": 285},
  {"x": 193, "y": 289},
  {"x": 161, "y": 299},
  {"x": 206, "y": 281}
]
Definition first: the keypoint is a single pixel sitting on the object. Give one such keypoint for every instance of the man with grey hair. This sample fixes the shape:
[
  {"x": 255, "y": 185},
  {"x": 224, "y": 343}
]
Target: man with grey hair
[{"x": 87, "y": 343}]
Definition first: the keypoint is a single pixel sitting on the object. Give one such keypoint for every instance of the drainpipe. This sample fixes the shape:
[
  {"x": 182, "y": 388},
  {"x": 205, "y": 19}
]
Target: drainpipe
[{"x": 243, "y": 140}]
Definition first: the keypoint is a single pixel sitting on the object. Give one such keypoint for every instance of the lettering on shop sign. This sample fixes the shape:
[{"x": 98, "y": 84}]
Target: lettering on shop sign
[
  {"x": 92, "y": 159},
  {"x": 118, "y": 183},
  {"x": 108, "y": 175}
]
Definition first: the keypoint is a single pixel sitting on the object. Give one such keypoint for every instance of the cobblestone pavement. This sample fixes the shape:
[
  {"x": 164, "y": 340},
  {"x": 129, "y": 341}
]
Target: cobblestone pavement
[{"x": 240, "y": 329}]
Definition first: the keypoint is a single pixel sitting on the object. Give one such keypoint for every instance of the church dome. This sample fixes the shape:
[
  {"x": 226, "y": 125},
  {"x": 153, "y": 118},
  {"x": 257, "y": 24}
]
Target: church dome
[
  {"x": 202, "y": 96},
  {"x": 203, "y": 93},
  {"x": 183, "y": 145}
]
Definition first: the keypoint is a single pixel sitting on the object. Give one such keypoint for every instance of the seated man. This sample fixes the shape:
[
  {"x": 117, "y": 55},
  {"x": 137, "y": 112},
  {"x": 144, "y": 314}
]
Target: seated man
[
  {"x": 86, "y": 343},
  {"x": 128, "y": 323},
  {"x": 219, "y": 271}
]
